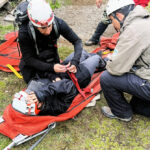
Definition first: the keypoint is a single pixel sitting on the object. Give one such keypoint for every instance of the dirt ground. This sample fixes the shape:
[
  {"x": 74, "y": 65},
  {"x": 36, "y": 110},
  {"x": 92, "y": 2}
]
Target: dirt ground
[{"x": 83, "y": 17}]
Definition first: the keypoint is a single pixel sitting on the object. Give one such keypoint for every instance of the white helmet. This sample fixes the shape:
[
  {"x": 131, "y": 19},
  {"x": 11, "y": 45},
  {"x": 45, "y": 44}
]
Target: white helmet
[
  {"x": 19, "y": 103},
  {"x": 40, "y": 13},
  {"x": 114, "y": 5}
]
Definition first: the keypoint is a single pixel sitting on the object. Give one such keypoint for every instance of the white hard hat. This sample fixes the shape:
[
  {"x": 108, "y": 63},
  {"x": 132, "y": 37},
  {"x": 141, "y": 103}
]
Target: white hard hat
[
  {"x": 40, "y": 13},
  {"x": 19, "y": 103},
  {"x": 114, "y": 5}
]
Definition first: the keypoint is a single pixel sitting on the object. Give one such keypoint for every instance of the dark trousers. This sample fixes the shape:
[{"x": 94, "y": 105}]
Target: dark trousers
[
  {"x": 113, "y": 88},
  {"x": 27, "y": 72},
  {"x": 101, "y": 27}
]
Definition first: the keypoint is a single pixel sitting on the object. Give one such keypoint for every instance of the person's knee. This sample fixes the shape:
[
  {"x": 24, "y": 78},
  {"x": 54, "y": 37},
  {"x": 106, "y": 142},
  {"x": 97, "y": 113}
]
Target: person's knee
[
  {"x": 96, "y": 58},
  {"x": 102, "y": 78},
  {"x": 105, "y": 78}
]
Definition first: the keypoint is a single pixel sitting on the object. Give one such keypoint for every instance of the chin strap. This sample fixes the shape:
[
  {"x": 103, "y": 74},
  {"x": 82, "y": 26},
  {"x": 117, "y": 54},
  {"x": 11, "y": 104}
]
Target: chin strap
[{"x": 125, "y": 11}]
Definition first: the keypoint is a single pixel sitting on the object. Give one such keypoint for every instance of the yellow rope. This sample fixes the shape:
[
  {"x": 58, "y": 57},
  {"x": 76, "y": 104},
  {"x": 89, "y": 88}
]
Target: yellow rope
[{"x": 14, "y": 71}]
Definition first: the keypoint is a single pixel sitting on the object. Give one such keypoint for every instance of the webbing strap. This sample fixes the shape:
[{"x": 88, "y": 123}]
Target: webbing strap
[
  {"x": 56, "y": 29},
  {"x": 33, "y": 36},
  {"x": 75, "y": 81}
]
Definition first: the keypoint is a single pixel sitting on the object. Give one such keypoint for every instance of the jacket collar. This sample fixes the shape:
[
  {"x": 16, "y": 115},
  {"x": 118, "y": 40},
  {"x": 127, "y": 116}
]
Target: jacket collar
[{"x": 138, "y": 12}]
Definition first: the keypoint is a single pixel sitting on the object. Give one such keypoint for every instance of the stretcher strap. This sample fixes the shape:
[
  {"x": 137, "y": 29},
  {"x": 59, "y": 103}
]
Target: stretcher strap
[{"x": 75, "y": 81}]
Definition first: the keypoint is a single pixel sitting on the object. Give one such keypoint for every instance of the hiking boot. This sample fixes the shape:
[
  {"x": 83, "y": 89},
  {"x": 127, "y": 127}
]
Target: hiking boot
[
  {"x": 90, "y": 42},
  {"x": 107, "y": 112}
]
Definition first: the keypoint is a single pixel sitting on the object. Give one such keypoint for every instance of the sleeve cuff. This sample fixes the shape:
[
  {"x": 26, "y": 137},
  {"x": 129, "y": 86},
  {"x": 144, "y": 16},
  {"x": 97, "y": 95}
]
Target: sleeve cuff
[{"x": 74, "y": 62}]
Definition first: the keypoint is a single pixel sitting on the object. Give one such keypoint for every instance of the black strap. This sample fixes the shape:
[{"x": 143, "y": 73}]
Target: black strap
[
  {"x": 33, "y": 36},
  {"x": 56, "y": 28},
  {"x": 148, "y": 66},
  {"x": 2, "y": 41}
]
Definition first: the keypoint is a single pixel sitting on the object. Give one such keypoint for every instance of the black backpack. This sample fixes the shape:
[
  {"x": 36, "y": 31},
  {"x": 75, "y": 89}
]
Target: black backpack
[{"x": 21, "y": 17}]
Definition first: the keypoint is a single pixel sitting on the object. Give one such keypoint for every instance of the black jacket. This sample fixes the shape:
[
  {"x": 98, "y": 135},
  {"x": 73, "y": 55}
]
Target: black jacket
[
  {"x": 57, "y": 96},
  {"x": 47, "y": 46}
]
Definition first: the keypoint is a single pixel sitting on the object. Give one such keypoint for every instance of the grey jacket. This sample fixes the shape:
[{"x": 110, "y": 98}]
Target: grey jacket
[{"x": 132, "y": 52}]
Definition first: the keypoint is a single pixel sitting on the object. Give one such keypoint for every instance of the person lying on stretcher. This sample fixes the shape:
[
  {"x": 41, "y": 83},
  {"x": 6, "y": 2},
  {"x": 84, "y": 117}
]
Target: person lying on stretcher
[{"x": 54, "y": 94}]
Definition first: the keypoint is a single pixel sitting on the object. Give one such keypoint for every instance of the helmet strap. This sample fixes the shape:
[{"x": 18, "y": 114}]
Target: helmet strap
[
  {"x": 125, "y": 11},
  {"x": 121, "y": 22}
]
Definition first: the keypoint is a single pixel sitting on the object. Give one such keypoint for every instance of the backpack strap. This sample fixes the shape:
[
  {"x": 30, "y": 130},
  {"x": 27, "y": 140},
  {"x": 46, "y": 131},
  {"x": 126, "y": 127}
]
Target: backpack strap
[
  {"x": 55, "y": 24},
  {"x": 33, "y": 36}
]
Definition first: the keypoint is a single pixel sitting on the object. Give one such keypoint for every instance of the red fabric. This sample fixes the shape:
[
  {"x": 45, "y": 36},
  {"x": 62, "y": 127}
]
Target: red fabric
[
  {"x": 107, "y": 43},
  {"x": 16, "y": 123},
  {"x": 75, "y": 81},
  {"x": 9, "y": 53},
  {"x": 143, "y": 3}
]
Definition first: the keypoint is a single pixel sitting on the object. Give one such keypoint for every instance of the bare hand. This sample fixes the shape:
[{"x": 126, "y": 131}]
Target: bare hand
[
  {"x": 71, "y": 68},
  {"x": 60, "y": 68},
  {"x": 99, "y": 3}
]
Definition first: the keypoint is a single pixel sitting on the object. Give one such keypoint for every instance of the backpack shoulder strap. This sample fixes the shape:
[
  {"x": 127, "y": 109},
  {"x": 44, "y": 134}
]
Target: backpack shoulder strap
[
  {"x": 33, "y": 36},
  {"x": 55, "y": 24}
]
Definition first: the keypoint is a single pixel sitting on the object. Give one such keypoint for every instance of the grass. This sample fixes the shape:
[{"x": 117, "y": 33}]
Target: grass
[
  {"x": 4, "y": 30},
  {"x": 148, "y": 7},
  {"x": 89, "y": 131}
]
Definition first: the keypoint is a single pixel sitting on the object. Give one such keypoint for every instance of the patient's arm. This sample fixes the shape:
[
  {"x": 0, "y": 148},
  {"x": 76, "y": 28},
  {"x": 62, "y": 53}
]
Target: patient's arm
[{"x": 32, "y": 98}]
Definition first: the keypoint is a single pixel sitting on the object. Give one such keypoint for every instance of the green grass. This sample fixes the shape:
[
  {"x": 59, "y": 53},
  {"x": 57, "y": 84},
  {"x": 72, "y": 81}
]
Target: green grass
[
  {"x": 4, "y": 30},
  {"x": 89, "y": 131},
  {"x": 64, "y": 52},
  {"x": 148, "y": 7}
]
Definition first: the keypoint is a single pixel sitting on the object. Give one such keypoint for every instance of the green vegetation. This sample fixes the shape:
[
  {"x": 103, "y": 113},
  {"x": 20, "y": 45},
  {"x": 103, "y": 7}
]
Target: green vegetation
[
  {"x": 54, "y": 4},
  {"x": 90, "y": 130},
  {"x": 148, "y": 7},
  {"x": 64, "y": 52},
  {"x": 14, "y": 3},
  {"x": 4, "y": 30}
]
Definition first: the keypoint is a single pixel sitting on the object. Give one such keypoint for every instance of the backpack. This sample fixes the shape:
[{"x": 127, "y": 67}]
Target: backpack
[{"x": 21, "y": 17}]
